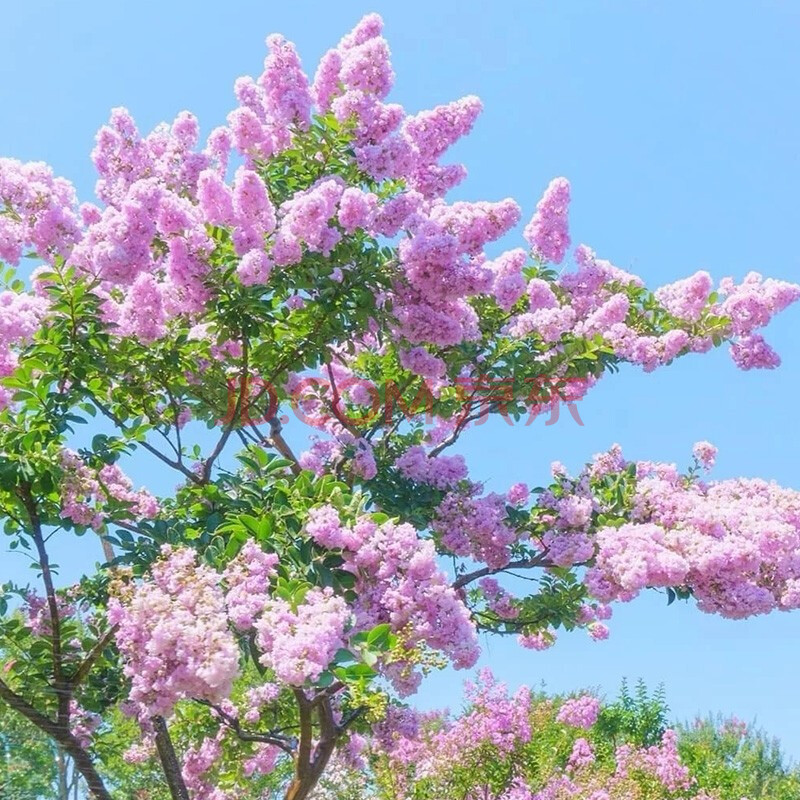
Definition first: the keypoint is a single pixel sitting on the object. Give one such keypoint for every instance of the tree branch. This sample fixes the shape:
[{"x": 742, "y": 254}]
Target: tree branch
[
  {"x": 281, "y": 445},
  {"x": 92, "y": 656},
  {"x": 62, "y": 736},
  {"x": 61, "y": 687},
  {"x": 285, "y": 743},
  {"x": 335, "y": 406},
  {"x": 308, "y": 769},
  {"x": 526, "y": 563},
  {"x": 169, "y": 760},
  {"x": 177, "y": 465},
  {"x": 460, "y": 426},
  {"x": 226, "y": 433}
]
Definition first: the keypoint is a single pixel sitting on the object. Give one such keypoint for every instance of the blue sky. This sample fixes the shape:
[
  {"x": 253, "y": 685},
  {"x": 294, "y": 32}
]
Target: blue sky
[{"x": 678, "y": 127}]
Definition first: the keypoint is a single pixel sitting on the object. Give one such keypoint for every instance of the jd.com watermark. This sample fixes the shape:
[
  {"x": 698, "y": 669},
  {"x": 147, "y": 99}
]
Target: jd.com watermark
[{"x": 316, "y": 400}]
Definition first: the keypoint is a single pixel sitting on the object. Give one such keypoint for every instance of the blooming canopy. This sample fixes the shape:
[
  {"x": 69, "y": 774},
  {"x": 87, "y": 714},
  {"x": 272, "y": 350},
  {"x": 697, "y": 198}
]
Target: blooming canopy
[{"x": 306, "y": 255}]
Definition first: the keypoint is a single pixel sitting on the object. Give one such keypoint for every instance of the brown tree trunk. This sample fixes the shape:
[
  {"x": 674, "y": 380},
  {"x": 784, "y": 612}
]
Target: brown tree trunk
[
  {"x": 169, "y": 761},
  {"x": 309, "y": 767},
  {"x": 62, "y": 737}
]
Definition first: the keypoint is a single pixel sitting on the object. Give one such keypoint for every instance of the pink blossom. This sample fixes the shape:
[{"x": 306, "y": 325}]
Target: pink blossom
[
  {"x": 548, "y": 232},
  {"x": 286, "y": 91},
  {"x": 539, "y": 640},
  {"x": 705, "y": 453},
  {"x": 174, "y": 637},
  {"x": 753, "y": 352},
  {"x": 582, "y": 754},
  {"x": 579, "y": 712},
  {"x": 518, "y": 494},
  {"x": 298, "y": 645}
]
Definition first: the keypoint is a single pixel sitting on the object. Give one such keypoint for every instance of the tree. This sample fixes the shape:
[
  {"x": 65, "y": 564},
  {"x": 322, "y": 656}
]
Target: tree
[
  {"x": 275, "y": 606},
  {"x": 738, "y": 760},
  {"x": 531, "y": 746}
]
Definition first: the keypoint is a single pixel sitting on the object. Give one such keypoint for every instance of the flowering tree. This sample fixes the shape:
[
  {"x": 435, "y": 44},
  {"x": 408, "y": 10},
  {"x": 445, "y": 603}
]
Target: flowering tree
[
  {"x": 277, "y": 605},
  {"x": 527, "y": 746}
]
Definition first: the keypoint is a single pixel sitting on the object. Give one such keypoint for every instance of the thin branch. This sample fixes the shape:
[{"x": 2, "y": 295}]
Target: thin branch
[
  {"x": 526, "y": 563},
  {"x": 303, "y": 761},
  {"x": 108, "y": 551},
  {"x": 92, "y": 656},
  {"x": 460, "y": 426},
  {"x": 285, "y": 743},
  {"x": 348, "y": 720},
  {"x": 176, "y": 412},
  {"x": 226, "y": 433},
  {"x": 335, "y": 405},
  {"x": 177, "y": 465},
  {"x": 60, "y": 686},
  {"x": 281, "y": 445}
]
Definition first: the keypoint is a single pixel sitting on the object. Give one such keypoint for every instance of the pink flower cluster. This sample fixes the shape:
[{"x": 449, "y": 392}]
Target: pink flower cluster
[
  {"x": 537, "y": 640},
  {"x": 498, "y": 600},
  {"x": 269, "y": 108},
  {"x": 475, "y": 527},
  {"x": 37, "y": 210},
  {"x": 579, "y": 712},
  {"x": 83, "y": 723},
  {"x": 443, "y": 472},
  {"x": 263, "y": 762},
  {"x": 662, "y": 761},
  {"x": 248, "y": 581},
  {"x": 433, "y": 743},
  {"x": 325, "y": 452},
  {"x": 298, "y": 644},
  {"x": 752, "y": 303},
  {"x": 305, "y": 220},
  {"x": 660, "y": 766},
  {"x": 150, "y": 242},
  {"x": 352, "y": 81},
  {"x": 582, "y": 755},
  {"x": 20, "y": 317},
  {"x": 37, "y": 612},
  {"x": 548, "y": 231},
  {"x": 733, "y": 543},
  {"x": 494, "y": 718},
  {"x": 733, "y": 726},
  {"x": 705, "y": 453},
  {"x": 86, "y": 493},
  {"x": 173, "y": 636},
  {"x": 398, "y": 581},
  {"x": 198, "y": 761}
]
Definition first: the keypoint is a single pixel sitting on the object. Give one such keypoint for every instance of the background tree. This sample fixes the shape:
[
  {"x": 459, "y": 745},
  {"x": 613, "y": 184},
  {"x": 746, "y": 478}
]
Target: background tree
[
  {"x": 738, "y": 760},
  {"x": 533, "y": 746}
]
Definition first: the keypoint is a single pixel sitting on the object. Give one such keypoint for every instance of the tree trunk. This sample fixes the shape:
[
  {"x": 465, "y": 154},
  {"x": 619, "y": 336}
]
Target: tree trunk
[
  {"x": 62, "y": 737},
  {"x": 169, "y": 761}
]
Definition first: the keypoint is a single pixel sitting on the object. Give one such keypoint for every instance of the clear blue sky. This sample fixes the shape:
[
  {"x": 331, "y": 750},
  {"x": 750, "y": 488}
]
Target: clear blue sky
[{"x": 678, "y": 126}]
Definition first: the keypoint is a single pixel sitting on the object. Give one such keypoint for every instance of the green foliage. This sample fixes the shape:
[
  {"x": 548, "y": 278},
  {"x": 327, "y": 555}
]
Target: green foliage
[
  {"x": 738, "y": 761},
  {"x": 637, "y": 717},
  {"x": 724, "y": 761},
  {"x": 28, "y": 760}
]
